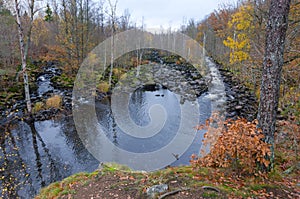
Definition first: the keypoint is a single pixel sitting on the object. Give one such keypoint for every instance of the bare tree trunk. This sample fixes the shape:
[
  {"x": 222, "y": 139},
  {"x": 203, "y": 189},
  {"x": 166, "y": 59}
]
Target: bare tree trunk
[
  {"x": 271, "y": 74},
  {"x": 24, "y": 50},
  {"x": 113, "y": 8},
  {"x": 112, "y": 43},
  {"x": 203, "y": 49},
  {"x": 138, "y": 67},
  {"x": 82, "y": 41},
  {"x": 87, "y": 16},
  {"x": 64, "y": 5}
]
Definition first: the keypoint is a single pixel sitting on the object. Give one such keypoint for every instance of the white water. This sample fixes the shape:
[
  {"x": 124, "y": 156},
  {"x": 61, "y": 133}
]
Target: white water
[{"x": 216, "y": 88}]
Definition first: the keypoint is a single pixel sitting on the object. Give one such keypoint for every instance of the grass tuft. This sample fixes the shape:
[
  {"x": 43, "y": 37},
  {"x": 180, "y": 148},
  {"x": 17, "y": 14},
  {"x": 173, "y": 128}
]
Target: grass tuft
[
  {"x": 54, "y": 102},
  {"x": 103, "y": 87},
  {"x": 38, "y": 106}
]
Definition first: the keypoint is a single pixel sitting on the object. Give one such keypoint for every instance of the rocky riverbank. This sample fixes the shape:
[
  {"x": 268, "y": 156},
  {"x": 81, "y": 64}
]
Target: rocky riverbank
[
  {"x": 241, "y": 102},
  {"x": 179, "y": 78},
  {"x": 183, "y": 81}
]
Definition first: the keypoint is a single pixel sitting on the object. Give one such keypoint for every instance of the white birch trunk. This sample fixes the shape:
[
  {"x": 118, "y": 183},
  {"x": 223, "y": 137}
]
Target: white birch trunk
[{"x": 24, "y": 51}]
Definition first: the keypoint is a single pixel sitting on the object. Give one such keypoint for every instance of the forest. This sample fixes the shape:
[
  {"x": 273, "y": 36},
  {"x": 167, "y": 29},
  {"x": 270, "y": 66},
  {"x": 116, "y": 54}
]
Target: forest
[
  {"x": 254, "y": 45},
  {"x": 234, "y": 36}
]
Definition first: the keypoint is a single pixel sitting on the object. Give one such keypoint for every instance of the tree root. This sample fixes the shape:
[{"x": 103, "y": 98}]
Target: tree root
[
  {"x": 211, "y": 188},
  {"x": 172, "y": 192},
  {"x": 185, "y": 189}
]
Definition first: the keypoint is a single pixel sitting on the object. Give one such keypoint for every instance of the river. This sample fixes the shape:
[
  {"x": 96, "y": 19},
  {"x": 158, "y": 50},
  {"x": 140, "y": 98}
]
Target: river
[{"x": 35, "y": 155}]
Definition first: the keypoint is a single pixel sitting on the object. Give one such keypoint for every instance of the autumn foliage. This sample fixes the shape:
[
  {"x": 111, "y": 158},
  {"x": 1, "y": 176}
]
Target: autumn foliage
[
  {"x": 239, "y": 145},
  {"x": 54, "y": 101},
  {"x": 239, "y": 43},
  {"x": 235, "y": 37}
]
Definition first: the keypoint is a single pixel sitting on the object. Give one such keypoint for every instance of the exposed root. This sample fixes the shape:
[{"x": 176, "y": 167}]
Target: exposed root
[
  {"x": 211, "y": 188},
  {"x": 172, "y": 192}
]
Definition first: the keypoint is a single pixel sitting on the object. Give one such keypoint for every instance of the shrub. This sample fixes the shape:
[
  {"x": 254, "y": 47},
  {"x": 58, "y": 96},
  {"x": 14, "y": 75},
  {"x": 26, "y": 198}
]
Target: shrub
[
  {"x": 103, "y": 87},
  {"x": 117, "y": 72},
  {"x": 55, "y": 101},
  {"x": 239, "y": 146},
  {"x": 38, "y": 106}
]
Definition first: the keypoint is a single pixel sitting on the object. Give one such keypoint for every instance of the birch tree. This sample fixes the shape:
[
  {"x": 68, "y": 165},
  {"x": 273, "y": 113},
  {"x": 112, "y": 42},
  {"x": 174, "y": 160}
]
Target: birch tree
[
  {"x": 239, "y": 43},
  {"x": 112, "y": 15},
  {"x": 24, "y": 46}
]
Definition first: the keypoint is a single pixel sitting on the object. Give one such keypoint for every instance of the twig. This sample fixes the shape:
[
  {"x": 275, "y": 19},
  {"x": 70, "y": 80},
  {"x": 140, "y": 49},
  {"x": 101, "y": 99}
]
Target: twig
[{"x": 173, "y": 192}]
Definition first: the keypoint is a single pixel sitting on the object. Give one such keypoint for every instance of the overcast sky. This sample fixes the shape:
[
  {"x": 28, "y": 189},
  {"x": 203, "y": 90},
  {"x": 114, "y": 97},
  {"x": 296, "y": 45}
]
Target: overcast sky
[{"x": 166, "y": 13}]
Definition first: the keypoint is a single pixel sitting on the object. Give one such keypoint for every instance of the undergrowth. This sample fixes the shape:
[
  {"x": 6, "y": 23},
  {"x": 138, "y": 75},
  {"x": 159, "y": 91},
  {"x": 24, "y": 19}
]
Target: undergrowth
[{"x": 237, "y": 144}]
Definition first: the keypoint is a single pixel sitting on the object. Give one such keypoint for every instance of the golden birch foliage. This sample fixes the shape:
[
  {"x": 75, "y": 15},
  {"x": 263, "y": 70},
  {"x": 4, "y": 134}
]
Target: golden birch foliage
[{"x": 239, "y": 42}]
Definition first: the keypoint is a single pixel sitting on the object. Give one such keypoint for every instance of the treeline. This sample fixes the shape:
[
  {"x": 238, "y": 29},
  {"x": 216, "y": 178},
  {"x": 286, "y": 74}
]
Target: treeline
[
  {"x": 62, "y": 30},
  {"x": 235, "y": 37}
]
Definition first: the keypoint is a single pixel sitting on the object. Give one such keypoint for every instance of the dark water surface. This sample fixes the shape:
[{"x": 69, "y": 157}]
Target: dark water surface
[{"x": 33, "y": 156}]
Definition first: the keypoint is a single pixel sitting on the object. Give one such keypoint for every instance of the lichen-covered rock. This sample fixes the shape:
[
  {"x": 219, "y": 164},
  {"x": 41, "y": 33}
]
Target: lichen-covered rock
[{"x": 156, "y": 189}]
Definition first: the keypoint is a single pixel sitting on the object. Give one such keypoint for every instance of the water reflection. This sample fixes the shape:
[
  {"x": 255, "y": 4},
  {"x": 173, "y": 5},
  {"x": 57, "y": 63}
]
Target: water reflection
[
  {"x": 140, "y": 102},
  {"x": 139, "y": 106},
  {"x": 34, "y": 155}
]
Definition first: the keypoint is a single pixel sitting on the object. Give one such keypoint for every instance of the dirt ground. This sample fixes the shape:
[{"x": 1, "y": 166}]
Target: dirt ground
[{"x": 113, "y": 185}]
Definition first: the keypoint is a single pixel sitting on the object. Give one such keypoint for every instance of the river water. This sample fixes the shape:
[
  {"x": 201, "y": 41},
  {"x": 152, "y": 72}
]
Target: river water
[{"x": 33, "y": 156}]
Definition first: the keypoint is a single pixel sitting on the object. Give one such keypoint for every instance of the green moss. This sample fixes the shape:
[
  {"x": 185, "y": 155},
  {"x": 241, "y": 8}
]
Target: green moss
[
  {"x": 203, "y": 171},
  {"x": 95, "y": 173},
  {"x": 257, "y": 187},
  {"x": 275, "y": 175},
  {"x": 184, "y": 169},
  {"x": 112, "y": 167},
  {"x": 32, "y": 66},
  {"x": 15, "y": 88},
  {"x": 227, "y": 188},
  {"x": 74, "y": 178},
  {"x": 184, "y": 175},
  {"x": 64, "y": 80},
  {"x": 65, "y": 192},
  {"x": 210, "y": 195},
  {"x": 56, "y": 191}
]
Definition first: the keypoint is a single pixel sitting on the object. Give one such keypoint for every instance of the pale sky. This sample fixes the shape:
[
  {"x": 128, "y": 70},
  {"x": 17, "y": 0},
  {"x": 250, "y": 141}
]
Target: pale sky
[{"x": 166, "y": 13}]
